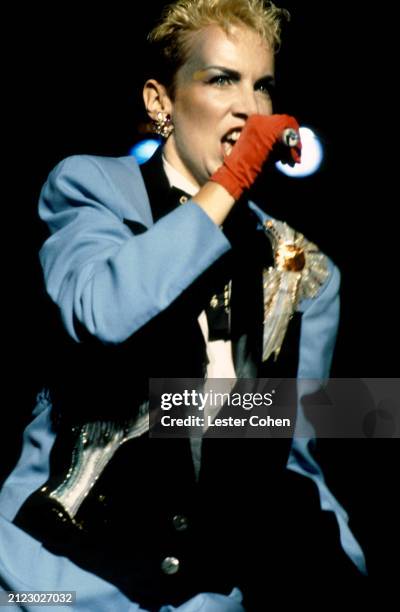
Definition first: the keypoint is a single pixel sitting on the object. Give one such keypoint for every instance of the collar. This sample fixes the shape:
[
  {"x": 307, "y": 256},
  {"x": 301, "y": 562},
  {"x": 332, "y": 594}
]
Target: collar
[
  {"x": 176, "y": 179},
  {"x": 163, "y": 198}
]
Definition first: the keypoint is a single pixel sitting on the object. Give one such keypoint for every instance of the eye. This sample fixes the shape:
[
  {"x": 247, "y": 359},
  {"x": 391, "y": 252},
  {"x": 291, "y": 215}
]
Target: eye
[
  {"x": 265, "y": 88},
  {"x": 220, "y": 80}
]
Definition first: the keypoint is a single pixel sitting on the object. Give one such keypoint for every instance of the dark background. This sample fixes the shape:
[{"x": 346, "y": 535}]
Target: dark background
[{"x": 73, "y": 80}]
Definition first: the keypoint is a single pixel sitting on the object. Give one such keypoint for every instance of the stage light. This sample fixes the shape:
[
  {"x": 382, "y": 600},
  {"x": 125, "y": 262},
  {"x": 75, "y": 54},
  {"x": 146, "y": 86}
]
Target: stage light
[
  {"x": 143, "y": 150},
  {"x": 311, "y": 156}
]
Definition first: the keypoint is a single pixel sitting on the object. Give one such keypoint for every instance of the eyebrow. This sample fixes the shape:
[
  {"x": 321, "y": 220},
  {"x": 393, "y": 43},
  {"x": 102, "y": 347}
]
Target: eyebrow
[{"x": 234, "y": 74}]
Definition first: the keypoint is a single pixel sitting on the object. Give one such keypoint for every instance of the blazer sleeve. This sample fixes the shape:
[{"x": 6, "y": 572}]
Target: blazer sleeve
[{"x": 101, "y": 275}]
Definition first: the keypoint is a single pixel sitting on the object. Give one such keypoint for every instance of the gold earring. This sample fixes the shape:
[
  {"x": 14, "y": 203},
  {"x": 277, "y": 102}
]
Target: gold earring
[{"x": 163, "y": 125}]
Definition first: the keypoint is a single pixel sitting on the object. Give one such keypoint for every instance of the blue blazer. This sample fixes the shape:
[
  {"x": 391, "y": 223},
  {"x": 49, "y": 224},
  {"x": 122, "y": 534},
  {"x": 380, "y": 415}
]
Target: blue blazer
[{"x": 111, "y": 283}]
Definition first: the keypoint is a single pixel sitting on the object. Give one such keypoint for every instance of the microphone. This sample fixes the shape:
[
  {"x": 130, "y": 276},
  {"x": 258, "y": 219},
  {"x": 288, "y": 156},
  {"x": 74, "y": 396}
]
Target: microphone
[{"x": 290, "y": 137}]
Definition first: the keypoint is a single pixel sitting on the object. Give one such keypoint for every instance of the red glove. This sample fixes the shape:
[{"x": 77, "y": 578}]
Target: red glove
[{"x": 261, "y": 132}]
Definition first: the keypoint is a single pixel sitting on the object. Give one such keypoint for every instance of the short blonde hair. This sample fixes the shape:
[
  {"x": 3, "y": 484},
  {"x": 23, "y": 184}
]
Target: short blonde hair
[{"x": 184, "y": 17}]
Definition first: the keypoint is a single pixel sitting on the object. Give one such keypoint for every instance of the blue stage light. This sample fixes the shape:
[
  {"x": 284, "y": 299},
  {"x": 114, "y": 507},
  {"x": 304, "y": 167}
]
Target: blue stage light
[{"x": 143, "y": 150}]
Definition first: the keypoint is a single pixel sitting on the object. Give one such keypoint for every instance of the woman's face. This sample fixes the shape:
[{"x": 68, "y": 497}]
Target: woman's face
[{"x": 226, "y": 79}]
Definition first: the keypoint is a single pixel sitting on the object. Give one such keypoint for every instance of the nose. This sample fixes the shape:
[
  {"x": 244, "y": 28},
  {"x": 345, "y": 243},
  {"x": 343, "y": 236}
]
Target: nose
[{"x": 245, "y": 102}]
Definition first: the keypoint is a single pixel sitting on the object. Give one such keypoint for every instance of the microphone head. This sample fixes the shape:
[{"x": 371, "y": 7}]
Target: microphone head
[{"x": 290, "y": 137}]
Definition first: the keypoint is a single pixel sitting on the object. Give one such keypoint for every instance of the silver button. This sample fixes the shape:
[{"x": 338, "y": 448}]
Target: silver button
[
  {"x": 180, "y": 522},
  {"x": 183, "y": 199},
  {"x": 170, "y": 565}
]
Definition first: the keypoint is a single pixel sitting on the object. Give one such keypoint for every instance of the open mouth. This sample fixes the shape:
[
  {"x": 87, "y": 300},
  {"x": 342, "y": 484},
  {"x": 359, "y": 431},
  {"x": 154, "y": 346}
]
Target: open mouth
[{"x": 229, "y": 141}]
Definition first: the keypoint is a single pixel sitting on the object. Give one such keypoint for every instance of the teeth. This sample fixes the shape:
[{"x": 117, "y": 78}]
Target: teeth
[
  {"x": 229, "y": 142},
  {"x": 232, "y": 137},
  {"x": 227, "y": 148}
]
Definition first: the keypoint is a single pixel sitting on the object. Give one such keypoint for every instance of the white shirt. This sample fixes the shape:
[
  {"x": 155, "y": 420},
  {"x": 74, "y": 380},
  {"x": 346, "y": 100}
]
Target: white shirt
[{"x": 219, "y": 352}]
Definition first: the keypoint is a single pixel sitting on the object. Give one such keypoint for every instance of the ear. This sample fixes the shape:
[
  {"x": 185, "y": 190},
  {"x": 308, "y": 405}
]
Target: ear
[{"x": 156, "y": 99}]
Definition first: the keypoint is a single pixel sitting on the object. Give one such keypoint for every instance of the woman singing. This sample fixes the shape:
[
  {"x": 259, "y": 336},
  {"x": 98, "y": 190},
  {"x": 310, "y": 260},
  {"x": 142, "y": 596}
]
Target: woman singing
[{"x": 171, "y": 270}]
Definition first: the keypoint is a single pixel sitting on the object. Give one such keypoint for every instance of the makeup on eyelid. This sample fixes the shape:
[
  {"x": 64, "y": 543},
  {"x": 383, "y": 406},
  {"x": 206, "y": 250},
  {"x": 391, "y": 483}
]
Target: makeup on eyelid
[{"x": 199, "y": 75}]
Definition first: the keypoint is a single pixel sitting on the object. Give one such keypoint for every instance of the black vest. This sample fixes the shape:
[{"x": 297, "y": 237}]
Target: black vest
[{"x": 224, "y": 527}]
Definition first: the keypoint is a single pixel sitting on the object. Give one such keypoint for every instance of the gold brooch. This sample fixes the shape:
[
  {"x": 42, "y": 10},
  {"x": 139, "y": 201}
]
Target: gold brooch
[
  {"x": 290, "y": 257},
  {"x": 299, "y": 271}
]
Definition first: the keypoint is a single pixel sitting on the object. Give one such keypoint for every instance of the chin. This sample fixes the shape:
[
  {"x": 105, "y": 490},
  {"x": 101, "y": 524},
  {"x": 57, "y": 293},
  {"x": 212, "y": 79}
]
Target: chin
[{"x": 214, "y": 167}]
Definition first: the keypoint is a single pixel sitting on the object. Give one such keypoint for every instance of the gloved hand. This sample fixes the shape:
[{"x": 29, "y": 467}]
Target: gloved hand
[{"x": 257, "y": 139}]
